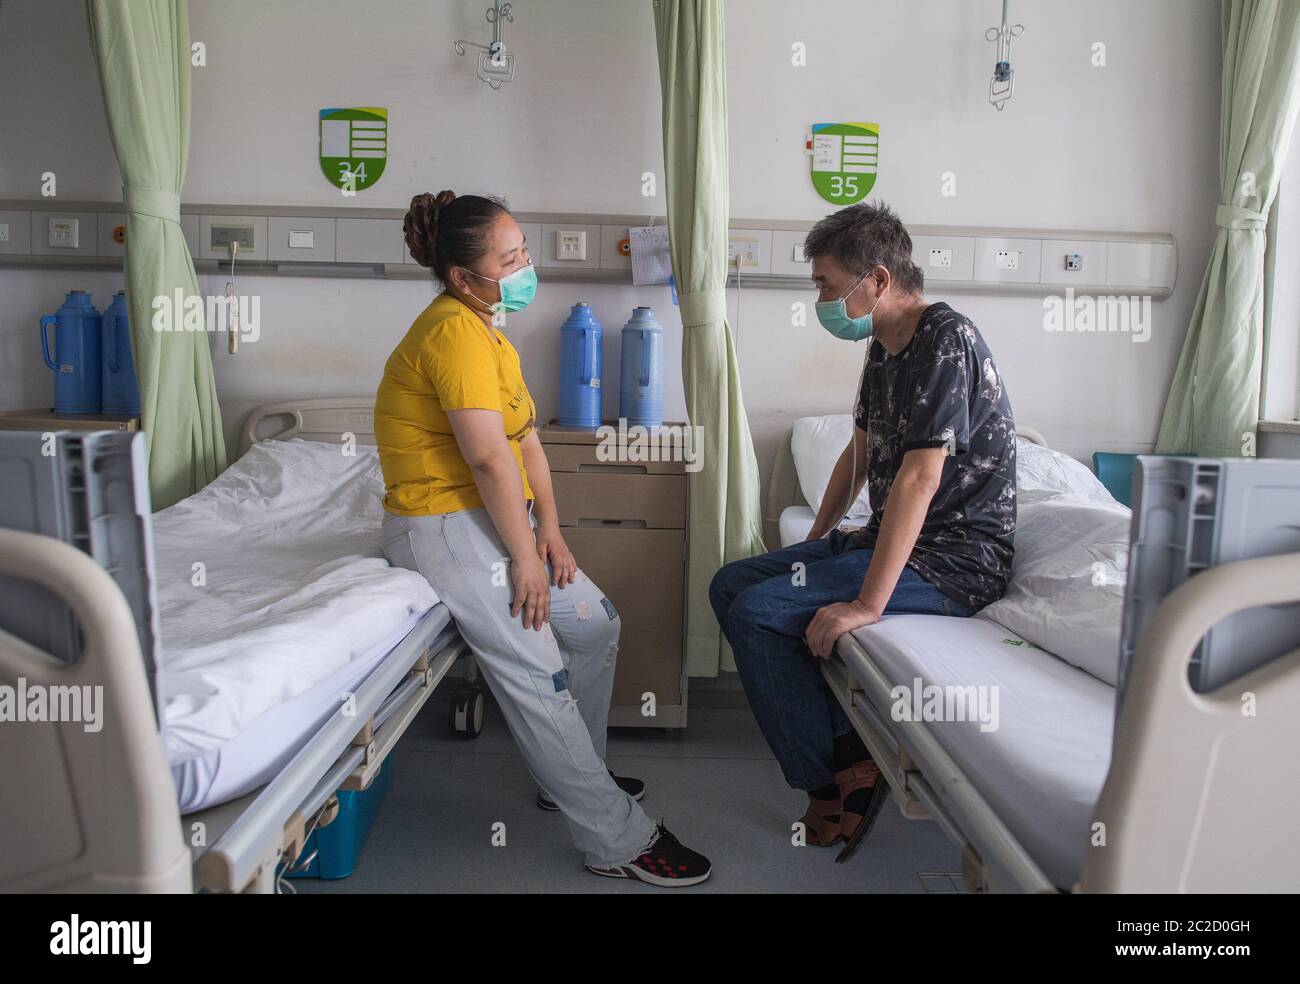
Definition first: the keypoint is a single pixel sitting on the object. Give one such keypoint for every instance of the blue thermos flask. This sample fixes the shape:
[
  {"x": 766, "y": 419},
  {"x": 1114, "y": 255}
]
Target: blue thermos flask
[
  {"x": 641, "y": 383},
  {"x": 77, "y": 355},
  {"x": 580, "y": 365},
  {"x": 121, "y": 391}
]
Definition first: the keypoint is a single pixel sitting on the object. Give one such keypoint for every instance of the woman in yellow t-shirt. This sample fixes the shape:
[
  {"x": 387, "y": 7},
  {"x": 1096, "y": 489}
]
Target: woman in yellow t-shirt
[{"x": 469, "y": 505}]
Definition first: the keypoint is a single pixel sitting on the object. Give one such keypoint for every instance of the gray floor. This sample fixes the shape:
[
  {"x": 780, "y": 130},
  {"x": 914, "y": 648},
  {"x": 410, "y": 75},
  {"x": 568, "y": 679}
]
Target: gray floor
[{"x": 715, "y": 785}]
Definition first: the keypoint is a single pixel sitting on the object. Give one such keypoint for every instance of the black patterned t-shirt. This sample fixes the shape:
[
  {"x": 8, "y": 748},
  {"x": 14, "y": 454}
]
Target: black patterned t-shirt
[{"x": 944, "y": 389}]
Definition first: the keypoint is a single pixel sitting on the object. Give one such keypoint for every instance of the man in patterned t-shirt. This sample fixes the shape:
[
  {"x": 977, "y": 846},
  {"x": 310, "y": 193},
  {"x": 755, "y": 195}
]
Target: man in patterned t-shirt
[{"x": 935, "y": 443}]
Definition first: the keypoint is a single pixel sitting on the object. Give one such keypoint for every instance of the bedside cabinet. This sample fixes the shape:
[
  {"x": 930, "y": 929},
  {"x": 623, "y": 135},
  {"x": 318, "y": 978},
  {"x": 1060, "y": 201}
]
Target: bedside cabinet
[
  {"x": 48, "y": 420},
  {"x": 625, "y": 522}
]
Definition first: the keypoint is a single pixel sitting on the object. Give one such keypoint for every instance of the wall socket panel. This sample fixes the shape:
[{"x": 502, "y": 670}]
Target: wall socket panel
[
  {"x": 749, "y": 251},
  {"x": 1007, "y": 260},
  {"x": 944, "y": 258},
  {"x": 223, "y": 234}
]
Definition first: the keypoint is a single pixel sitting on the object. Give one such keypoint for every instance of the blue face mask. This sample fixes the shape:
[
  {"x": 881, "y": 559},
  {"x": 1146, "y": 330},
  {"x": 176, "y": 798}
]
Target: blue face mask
[
  {"x": 517, "y": 290},
  {"x": 835, "y": 317}
]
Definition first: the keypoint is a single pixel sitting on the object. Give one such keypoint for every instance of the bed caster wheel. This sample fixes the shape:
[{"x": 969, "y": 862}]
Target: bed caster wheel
[{"x": 466, "y": 717}]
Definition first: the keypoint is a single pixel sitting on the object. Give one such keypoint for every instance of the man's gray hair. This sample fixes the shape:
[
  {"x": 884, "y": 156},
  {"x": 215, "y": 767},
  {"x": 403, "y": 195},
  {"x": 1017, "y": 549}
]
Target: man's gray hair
[{"x": 864, "y": 236}]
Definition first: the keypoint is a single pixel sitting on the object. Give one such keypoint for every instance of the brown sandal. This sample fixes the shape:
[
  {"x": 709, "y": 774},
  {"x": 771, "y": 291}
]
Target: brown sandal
[
  {"x": 854, "y": 826},
  {"x": 821, "y": 822}
]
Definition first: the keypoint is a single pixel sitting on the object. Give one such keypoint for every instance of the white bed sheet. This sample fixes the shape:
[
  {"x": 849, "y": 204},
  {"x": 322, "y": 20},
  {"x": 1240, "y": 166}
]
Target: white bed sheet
[
  {"x": 1042, "y": 769},
  {"x": 291, "y": 604}
]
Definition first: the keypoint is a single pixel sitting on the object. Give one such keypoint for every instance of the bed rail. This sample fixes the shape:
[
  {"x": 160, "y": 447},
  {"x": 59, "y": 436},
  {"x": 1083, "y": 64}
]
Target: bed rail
[
  {"x": 920, "y": 771},
  {"x": 246, "y": 853},
  {"x": 99, "y": 804},
  {"x": 1202, "y": 794}
]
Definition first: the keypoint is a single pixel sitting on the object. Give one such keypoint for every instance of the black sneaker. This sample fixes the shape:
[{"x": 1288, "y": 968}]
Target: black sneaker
[
  {"x": 666, "y": 862},
  {"x": 633, "y": 787}
]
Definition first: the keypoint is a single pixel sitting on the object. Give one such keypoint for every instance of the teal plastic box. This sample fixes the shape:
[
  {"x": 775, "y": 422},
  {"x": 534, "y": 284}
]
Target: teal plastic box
[{"x": 339, "y": 845}]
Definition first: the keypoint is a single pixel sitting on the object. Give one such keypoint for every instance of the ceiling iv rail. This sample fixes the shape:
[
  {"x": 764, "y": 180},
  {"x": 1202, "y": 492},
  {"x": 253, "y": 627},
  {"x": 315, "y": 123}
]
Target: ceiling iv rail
[{"x": 317, "y": 241}]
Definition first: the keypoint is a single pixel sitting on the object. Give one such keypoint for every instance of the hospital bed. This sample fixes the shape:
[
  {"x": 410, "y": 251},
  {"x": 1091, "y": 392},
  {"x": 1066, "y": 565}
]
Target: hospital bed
[
  {"x": 1177, "y": 791},
  {"x": 218, "y": 783}
]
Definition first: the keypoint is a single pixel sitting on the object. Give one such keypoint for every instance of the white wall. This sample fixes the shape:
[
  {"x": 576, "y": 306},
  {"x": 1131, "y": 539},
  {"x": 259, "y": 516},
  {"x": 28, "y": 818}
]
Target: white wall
[{"x": 1131, "y": 146}]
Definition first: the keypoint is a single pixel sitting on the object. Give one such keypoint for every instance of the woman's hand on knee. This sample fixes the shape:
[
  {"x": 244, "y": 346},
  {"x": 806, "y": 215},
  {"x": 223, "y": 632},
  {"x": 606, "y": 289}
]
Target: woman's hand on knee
[
  {"x": 532, "y": 592},
  {"x": 552, "y": 548}
]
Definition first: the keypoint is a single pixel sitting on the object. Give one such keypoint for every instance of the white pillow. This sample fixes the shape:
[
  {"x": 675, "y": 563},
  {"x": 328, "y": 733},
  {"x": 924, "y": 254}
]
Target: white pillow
[
  {"x": 1066, "y": 592},
  {"x": 817, "y": 443},
  {"x": 1040, "y": 469}
]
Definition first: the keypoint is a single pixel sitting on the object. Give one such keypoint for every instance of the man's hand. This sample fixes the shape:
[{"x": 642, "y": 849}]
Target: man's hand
[
  {"x": 552, "y": 548},
  {"x": 833, "y": 621}
]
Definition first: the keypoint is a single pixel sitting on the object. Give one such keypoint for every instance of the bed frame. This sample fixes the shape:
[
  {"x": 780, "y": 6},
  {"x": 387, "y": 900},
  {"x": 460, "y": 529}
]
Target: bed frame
[
  {"x": 341, "y": 756},
  {"x": 118, "y": 827},
  {"x": 1169, "y": 825}
]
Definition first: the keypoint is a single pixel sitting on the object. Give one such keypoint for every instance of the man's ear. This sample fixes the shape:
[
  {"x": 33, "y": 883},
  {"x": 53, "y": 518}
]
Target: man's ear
[{"x": 880, "y": 274}]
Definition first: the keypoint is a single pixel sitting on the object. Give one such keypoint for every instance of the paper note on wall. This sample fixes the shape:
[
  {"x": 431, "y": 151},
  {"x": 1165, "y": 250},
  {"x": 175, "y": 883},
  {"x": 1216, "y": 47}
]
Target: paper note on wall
[{"x": 651, "y": 263}]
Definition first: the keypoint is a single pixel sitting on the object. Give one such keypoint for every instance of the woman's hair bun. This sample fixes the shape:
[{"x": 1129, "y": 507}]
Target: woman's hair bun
[{"x": 420, "y": 226}]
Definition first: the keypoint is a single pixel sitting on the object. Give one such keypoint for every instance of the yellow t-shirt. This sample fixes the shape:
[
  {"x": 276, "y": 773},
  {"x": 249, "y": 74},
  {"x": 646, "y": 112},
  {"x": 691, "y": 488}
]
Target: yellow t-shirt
[{"x": 449, "y": 360}]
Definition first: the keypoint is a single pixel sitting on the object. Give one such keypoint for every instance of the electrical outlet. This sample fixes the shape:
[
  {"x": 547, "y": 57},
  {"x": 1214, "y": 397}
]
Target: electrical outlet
[
  {"x": 941, "y": 258},
  {"x": 571, "y": 245},
  {"x": 1073, "y": 262},
  {"x": 223, "y": 234},
  {"x": 4, "y": 232},
  {"x": 747, "y": 251},
  {"x": 1007, "y": 259}
]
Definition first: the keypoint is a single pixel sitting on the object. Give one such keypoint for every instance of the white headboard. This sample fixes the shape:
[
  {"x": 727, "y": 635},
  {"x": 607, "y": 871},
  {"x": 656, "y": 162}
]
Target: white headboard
[
  {"x": 326, "y": 419},
  {"x": 783, "y": 487}
]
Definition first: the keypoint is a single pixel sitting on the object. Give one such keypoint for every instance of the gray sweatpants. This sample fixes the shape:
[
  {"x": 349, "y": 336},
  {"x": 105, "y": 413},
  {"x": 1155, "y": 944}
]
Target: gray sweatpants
[{"x": 553, "y": 686}]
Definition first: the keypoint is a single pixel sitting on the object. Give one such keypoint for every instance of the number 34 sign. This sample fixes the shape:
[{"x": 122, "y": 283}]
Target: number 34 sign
[
  {"x": 844, "y": 159},
  {"x": 353, "y": 146}
]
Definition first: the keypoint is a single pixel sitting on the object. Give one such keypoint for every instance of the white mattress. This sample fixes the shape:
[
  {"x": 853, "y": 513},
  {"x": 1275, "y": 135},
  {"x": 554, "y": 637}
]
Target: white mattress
[
  {"x": 795, "y": 522},
  {"x": 1042, "y": 769},
  {"x": 292, "y": 606}
]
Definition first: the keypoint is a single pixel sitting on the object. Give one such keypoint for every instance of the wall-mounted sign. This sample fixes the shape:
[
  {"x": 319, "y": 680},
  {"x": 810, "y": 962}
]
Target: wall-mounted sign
[
  {"x": 353, "y": 146},
  {"x": 844, "y": 158}
]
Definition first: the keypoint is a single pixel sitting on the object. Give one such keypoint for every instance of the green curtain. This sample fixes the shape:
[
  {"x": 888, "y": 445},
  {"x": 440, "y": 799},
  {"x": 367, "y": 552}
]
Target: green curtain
[
  {"x": 725, "y": 515},
  {"x": 142, "y": 52},
  {"x": 1214, "y": 399}
]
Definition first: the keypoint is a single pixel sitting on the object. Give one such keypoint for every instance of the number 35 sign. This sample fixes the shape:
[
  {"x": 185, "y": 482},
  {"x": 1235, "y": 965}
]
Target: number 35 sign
[
  {"x": 353, "y": 146},
  {"x": 844, "y": 158}
]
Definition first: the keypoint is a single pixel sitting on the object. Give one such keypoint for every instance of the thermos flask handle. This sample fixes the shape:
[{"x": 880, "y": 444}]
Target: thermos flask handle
[
  {"x": 46, "y": 321},
  {"x": 645, "y": 358},
  {"x": 110, "y": 346},
  {"x": 585, "y": 374}
]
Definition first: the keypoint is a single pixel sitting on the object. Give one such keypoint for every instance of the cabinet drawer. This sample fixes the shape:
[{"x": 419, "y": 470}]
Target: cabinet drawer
[
  {"x": 631, "y": 501},
  {"x": 642, "y": 573},
  {"x": 584, "y": 458}
]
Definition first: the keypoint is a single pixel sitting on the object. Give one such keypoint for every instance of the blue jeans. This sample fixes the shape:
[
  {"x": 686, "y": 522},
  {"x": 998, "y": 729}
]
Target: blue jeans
[{"x": 764, "y": 605}]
